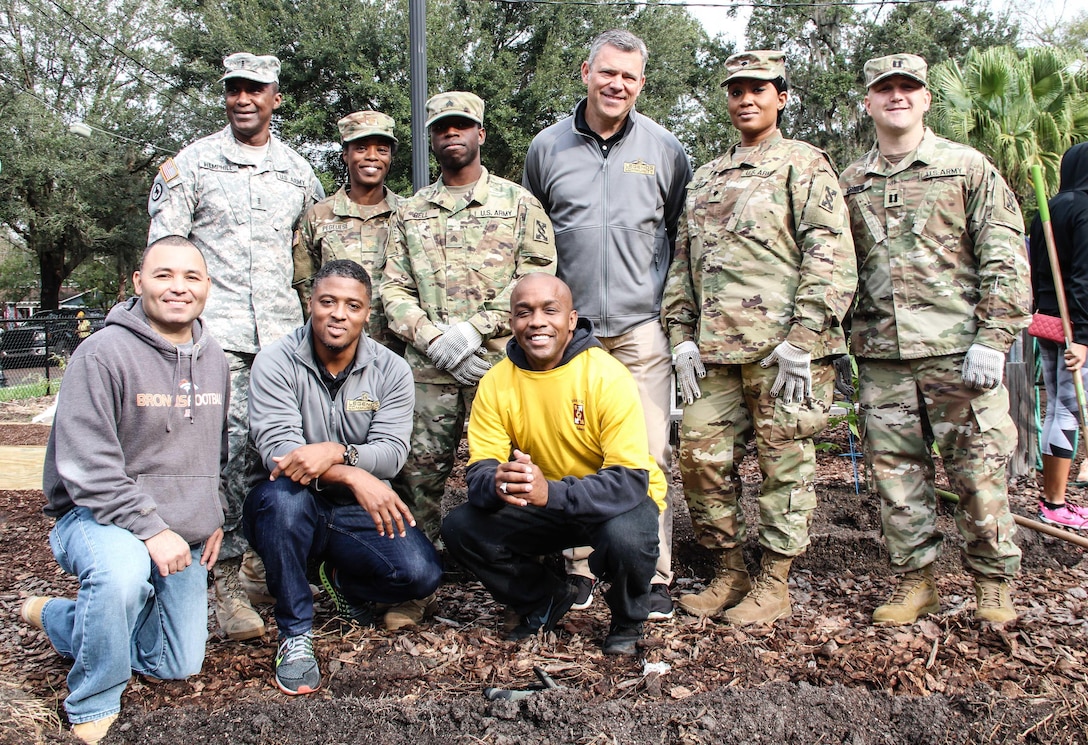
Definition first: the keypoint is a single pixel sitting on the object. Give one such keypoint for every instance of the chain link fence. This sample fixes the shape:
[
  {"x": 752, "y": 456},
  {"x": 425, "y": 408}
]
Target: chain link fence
[{"x": 34, "y": 352}]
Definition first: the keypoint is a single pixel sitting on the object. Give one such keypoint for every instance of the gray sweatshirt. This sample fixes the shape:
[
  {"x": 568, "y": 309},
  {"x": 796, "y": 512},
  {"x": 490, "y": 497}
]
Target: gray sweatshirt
[{"x": 140, "y": 430}]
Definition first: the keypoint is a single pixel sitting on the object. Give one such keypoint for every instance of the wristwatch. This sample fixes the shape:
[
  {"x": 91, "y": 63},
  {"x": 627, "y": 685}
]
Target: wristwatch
[{"x": 351, "y": 455}]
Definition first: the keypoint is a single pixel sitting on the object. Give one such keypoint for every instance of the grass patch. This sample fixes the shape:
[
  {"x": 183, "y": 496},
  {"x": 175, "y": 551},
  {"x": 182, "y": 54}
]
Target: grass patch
[{"x": 37, "y": 389}]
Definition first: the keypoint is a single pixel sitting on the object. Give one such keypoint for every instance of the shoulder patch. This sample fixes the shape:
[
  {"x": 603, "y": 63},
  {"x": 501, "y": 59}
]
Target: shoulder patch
[
  {"x": 169, "y": 170},
  {"x": 827, "y": 201},
  {"x": 540, "y": 231}
]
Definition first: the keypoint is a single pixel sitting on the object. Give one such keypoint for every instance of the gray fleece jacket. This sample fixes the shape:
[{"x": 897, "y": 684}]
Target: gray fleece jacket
[
  {"x": 140, "y": 430},
  {"x": 289, "y": 405},
  {"x": 615, "y": 218}
]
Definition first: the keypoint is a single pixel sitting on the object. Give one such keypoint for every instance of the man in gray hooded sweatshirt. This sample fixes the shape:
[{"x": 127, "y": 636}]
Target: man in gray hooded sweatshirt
[{"x": 132, "y": 478}]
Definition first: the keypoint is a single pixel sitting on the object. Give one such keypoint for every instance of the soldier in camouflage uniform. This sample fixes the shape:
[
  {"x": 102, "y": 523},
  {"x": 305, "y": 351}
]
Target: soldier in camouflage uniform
[
  {"x": 943, "y": 292},
  {"x": 763, "y": 276},
  {"x": 238, "y": 196},
  {"x": 456, "y": 250},
  {"x": 354, "y": 222}
]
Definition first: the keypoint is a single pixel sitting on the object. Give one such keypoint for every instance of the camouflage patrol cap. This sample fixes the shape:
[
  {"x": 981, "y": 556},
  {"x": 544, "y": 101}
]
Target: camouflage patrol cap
[
  {"x": 908, "y": 65},
  {"x": 761, "y": 64},
  {"x": 361, "y": 124},
  {"x": 264, "y": 69},
  {"x": 455, "y": 103}
]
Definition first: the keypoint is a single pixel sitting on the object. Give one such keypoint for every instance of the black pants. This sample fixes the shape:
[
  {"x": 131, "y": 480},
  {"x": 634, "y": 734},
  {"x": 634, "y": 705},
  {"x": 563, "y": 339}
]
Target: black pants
[{"x": 501, "y": 549}]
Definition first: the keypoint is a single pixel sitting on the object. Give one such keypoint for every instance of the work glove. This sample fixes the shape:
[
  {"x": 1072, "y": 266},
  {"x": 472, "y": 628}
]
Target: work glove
[
  {"x": 689, "y": 368},
  {"x": 469, "y": 370},
  {"x": 983, "y": 367},
  {"x": 794, "y": 379},
  {"x": 844, "y": 376},
  {"x": 454, "y": 345}
]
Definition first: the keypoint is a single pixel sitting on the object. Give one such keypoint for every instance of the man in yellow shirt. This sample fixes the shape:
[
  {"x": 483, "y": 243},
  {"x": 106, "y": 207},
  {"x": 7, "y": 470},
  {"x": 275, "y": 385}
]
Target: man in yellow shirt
[{"x": 558, "y": 457}]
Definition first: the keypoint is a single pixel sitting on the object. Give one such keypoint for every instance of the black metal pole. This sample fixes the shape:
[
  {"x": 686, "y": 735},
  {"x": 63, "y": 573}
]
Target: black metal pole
[{"x": 417, "y": 68}]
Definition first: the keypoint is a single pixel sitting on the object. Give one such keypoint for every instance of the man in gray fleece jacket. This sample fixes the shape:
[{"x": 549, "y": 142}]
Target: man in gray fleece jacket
[
  {"x": 132, "y": 478},
  {"x": 330, "y": 411}
]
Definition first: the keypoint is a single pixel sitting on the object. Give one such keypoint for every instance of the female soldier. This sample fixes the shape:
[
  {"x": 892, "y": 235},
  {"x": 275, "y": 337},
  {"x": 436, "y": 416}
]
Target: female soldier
[{"x": 763, "y": 275}]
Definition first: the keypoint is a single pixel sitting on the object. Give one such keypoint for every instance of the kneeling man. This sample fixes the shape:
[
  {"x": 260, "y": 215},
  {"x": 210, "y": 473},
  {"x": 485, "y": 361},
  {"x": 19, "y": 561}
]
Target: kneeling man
[
  {"x": 558, "y": 457},
  {"x": 330, "y": 413},
  {"x": 132, "y": 478}
]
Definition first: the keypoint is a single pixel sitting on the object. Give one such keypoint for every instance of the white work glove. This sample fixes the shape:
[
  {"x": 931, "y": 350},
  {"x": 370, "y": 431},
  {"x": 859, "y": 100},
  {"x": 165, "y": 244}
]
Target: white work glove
[
  {"x": 844, "y": 376},
  {"x": 983, "y": 367},
  {"x": 454, "y": 345},
  {"x": 794, "y": 379},
  {"x": 689, "y": 368},
  {"x": 469, "y": 370}
]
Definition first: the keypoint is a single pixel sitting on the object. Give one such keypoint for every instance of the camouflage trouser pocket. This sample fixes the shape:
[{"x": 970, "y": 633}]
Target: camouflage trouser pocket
[
  {"x": 798, "y": 421},
  {"x": 991, "y": 409}
]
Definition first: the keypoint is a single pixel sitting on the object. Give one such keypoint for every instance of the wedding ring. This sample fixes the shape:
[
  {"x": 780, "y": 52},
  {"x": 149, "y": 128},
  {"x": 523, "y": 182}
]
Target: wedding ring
[{"x": 503, "y": 487}]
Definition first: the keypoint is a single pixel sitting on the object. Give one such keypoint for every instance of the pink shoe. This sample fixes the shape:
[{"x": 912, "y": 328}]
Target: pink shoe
[{"x": 1067, "y": 515}]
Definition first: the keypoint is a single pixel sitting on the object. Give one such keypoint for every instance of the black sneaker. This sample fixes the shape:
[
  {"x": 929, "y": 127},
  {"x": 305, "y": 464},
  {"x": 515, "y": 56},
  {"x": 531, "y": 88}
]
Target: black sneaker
[
  {"x": 546, "y": 616},
  {"x": 584, "y": 586},
  {"x": 623, "y": 639},
  {"x": 363, "y": 615},
  {"x": 296, "y": 665},
  {"x": 660, "y": 603}
]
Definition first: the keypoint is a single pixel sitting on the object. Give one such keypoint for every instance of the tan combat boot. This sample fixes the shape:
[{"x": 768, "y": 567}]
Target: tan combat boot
[
  {"x": 915, "y": 596},
  {"x": 994, "y": 600},
  {"x": 251, "y": 575},
  {"x": 769, "y": 599},
  {"x": 409, "y": 613},
  {"x": 232, "y": 608},
  {"x": 93, "y": 732},
  {"x": 729, "y": 586}
]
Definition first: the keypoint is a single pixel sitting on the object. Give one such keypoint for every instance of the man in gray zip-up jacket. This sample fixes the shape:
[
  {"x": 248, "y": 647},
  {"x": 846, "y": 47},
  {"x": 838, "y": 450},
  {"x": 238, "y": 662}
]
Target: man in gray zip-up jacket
[
  {"x": 330, "y": 414},
  {"x": 612, "y": 182}
]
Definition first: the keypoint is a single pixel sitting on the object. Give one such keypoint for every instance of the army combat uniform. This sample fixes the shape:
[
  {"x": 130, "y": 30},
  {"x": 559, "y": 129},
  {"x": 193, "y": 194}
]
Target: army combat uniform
[
  {"x": 242, "y": 216},
  {"x": 338, "y": 228},
  {"x": 763, "y": 256},
  {"x": 941, "y": 262},
  {"x": 451, "y": 260}
]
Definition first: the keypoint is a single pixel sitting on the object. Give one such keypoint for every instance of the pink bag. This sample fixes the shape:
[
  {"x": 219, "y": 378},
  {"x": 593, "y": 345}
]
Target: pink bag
[{"x": 1047, "y": 327}]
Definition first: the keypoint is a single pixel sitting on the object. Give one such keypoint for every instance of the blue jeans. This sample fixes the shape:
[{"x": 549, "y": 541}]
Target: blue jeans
[
  {"x": 126, "y": 617},
  {"x": 288, "y": 525}
]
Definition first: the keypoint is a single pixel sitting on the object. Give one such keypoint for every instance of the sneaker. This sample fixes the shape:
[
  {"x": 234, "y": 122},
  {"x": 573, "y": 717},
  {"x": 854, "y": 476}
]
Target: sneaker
[
  {"x": 584, "y": 586},
  {"x": 296, "y": 665},
  {"x": 660, "y": 603},
  {"x": 623, "y": 638},
  {"x": 1067, "y": 515},
  {"x": 361, "y": 615},
  {"x": 546, "y": 617}
]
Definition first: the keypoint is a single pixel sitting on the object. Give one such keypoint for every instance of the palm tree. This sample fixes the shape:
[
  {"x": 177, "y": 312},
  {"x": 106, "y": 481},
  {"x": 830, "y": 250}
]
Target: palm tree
[{"x": 1018, "y": 107}]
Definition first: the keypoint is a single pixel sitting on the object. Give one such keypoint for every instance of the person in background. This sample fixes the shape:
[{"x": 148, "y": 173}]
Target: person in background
[{"x": 1069, "y": 221}]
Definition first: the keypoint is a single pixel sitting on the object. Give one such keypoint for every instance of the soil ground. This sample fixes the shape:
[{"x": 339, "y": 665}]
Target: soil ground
[{"x": 825, "y": 675}]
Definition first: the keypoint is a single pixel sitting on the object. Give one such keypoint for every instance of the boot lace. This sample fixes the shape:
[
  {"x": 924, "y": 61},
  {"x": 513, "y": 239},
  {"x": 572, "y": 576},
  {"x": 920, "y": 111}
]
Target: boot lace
[
  {"x": 990, "y": 594},
  {"x": 908, "y": 585}
]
